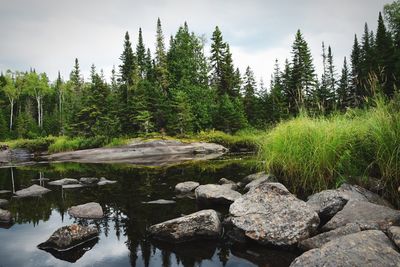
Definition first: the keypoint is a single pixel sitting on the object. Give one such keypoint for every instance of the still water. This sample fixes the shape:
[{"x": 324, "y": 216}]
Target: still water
[{"x": 123, "y": 240}]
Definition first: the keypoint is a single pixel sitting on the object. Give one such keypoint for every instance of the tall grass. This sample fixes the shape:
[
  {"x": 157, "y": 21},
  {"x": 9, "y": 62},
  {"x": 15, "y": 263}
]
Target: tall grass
[{"x": 316, "y": 153}]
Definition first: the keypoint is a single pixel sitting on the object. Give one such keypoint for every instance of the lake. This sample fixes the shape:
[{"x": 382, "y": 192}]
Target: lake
[{"x": 123, "y": 240}]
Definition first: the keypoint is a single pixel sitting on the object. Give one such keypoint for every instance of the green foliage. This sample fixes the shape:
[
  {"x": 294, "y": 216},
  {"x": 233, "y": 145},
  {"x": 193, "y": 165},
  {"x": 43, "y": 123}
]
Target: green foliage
[
  {"x": 3, "y": 127},
  {"x": 245, "y": 140}
]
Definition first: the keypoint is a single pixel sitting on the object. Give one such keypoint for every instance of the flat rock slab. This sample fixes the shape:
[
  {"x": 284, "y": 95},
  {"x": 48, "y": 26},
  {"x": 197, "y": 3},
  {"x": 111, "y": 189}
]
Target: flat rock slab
[
  {"x": 270, "y": 215},
  {"x": 5, "y": 191},
  {"x": 186, "y": 187},
  {"x": 367, "y": 248},
  {"x": 362, "y": 212},
  {"x": 5, "y": 216},
  {"x": 104, "y": 181},
  {"x": 32, "y": 191},
  {"x": 321, "y": 239},
  {"x": 72, "y": 186},
  {"x": 394, "y": 234},
  {"x": 3, "y": 203},
  {"x": 68, "y": 237},
  {"x": 160, "y": 202},
  {"x": 204, "y": 224},
  {"x": 91, "y": 210},
  {"x": 216, "y": 194},
  {"x": 89, "y": 180},
  {"x": 65, "y": 181},
  {"x": 255, "y": 176}
]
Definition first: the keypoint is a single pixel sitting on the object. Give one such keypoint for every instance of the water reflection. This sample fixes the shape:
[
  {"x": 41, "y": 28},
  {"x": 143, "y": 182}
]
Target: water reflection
[{"x": 123, "y": 240}]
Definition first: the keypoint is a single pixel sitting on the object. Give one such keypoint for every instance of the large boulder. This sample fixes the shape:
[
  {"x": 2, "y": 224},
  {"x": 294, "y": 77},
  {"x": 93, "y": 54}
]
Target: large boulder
[
  {"x": 366, "y": 213},
  {"x": 216, "y": 194},
  {"x": 89, "y": 180},
  {"x": 91, "y": 210},
  {"x": 32, "y": 191},
  {"x": 3, "y": 203},
  {"x": 264, "y": 178},
  {"x": 354, "y": 192},
  {"x": 367, "y": 248},
  {"x": 64, "y": 181},
  {"x": 270, "y": 215},
  {"x": 230, "y": 184},
  {"x": 5, "y": 216},
  {"x": 68, "y": 237},
  {"x": 394, "y": 234},
  {"x": 186, "y": 187},
  {"x": 204, "y": 224}
]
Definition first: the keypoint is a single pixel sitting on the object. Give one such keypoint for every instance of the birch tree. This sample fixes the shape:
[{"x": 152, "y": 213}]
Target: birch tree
[
  {"x": 12, "y": 93},
  {"x": 37, "y": 86}
]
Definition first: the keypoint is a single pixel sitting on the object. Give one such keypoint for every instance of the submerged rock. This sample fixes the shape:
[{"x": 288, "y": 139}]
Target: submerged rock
[
  {"x": 204, "y": 224},
  {"x": 89, "y": 180},
  {"x": 5, "y": 191},
  {"x": 64, "y": 181},
  {"x": 72, "y": 186},
  {"x": 366, "y": 213},
  {"x": 32, "y": 191},
  {"x": 104, "y": 181},
  {"x": 3, "y": 203},
  {"x": 270, "y": 215},
  {"x": 394, "y": 235},
  {"x": 367, "y": 248},
  {"x": 91, "y": 210},
  {"x": 160, "y": 202},
  {"x": 68, "y": 237},
  {"x": 186, "y": 187},
  {"x": 5, "y": 216},
  {"x": 216, "y": 194}
]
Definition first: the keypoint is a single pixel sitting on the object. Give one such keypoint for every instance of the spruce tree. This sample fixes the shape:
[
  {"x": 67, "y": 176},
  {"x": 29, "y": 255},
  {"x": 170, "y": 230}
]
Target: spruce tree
[
  {"x": 141, "y": 55},
  {"x": 344, "y": 89},
  {"x": 161, "y": 69},
  {"x": 356, "y": 95},
  {"x": 249, "y": 97},
  {"x": 217, "y": 59},
  {"x": 277, "y": 97}
]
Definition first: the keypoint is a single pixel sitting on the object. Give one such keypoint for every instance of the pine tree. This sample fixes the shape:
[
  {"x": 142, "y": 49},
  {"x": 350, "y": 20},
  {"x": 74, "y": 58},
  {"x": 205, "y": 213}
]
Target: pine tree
[
  {"x": 141, "y": 55},
  {"x": 249, "y": 98},
  {"x": 217, "y": 59},
  {"x": 161, "y": 68},
  {"x": 278, "y": 103},
  {"x": 367, "y": 63},
  {"x": 356, "y": 95},
  {"x": 228, "y": 76},
  {"x": 76, "y": 78},
  {"x": 344, "y": 89}
]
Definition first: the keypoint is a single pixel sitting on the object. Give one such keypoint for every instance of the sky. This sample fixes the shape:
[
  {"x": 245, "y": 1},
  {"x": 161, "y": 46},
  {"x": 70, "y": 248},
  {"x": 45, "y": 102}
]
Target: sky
[{"x": 48, "y": 35}]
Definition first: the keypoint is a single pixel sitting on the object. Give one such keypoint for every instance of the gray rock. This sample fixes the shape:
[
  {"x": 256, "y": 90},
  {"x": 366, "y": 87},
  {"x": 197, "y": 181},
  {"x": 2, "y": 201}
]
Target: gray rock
[
  {"x": 5, "y": 216},
  {"x": 160, "y": 202},
  {"x": 255, "y": 183},
  {"x": 231, "y": 184},
  {"x": 255, "y": 176},
  {"x": 72, "y": 186},
  {"x": 104, "y": 181},
  {"x": 89, "y": 180},
  {"x": 91, "y": 210},
  {"x": 5, "y": 191},
  {"x": 68, "y": 237},
  {"x": 270, "y": 215},
  {"x": 216, "y": 194},
  {"x": 321, "y": 239},
  {"x": 204, "y": 224},
  {"x": 186, "y": 187},
  {"x": 354, "y": 190},
  {"x": 32, "y": 191},
  {"x": 327, "y": 203},
  {"x": 3, "y": 203},
  {"x": 363, "y": 212},
  {"x": 394, "y": 235},
  {"x": 367, "y": 248},
  {"x": 64, "y": 181}
]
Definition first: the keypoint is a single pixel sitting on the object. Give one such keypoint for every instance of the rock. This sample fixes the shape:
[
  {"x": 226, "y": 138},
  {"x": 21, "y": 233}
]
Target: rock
[
  {"x": 91, "y": 210},
  {"x": 65, "y": 181},
  {"x": 255, "y": 176},
  {"x": 104, "y": 181},
  {"x": 160, "y": 202},
  {"x": 68, "y": 237},
  {"x": 204, "y": 224},
  {"x": 394, "y": 235},
  {"x": 321, "y": 239},
  {"x": 354, "y": 190},
  {"x": 216, "y": 194},
  {"x": 3, "y": 203},
  {"x": 89, "y": 180},
  {"x": 367, "y": 248},
  {"x": 270, "y": 215},
  {"x": 186, "y": 187},
  {"x": 32, "y": 191},
  {"x": 254, "y": 183},
  {"x": 363, "y": 212},
  {"x": 327, "y": 203},
  {"x": 5, "y": 216},
  {"x": 72, "y": 186},
  {"x": 230, "y": 184},
  {"x": 5, "y": 191}
]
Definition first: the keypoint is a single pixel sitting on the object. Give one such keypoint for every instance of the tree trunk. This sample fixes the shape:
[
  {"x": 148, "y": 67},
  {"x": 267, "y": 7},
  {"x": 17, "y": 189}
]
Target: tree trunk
[{"x": 11, "y": 113}]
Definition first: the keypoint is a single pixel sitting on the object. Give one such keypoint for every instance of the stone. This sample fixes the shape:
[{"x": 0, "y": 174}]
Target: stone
[
  {"x": 327, "y": 203},
  {"x": 363, "y": 212},
  {"x": 216, "y": 194},
  {"x": 204, "y": 224},
  {"x": 186, "y": 187},
  {"x": 89, "y": 180},
  {"x": 254, "y": 176},
  {"x": 394, "y": 235},
  {"x": 231, "y": 184},
  {"x": 65, "y": 181},
  {"x": 91, "y": 210},
  {"x": 3, "y": 203},
  {"x": 5, "y": 216},
  {"x": 104, "y": 181},
  {"x": 72, "y": 186},
  {"x": 68, "y": 237},
  {"x": 354, "y": 190},
  {"x": 270, "y": 215},
  {"x": 255, "y": 183},
  {"x": 323, "y": 238},
  {"x": 160, "y": 202},
  {"x": 367, "y": 248},
  {"x": 5, "y": 191},
  {"x": 32, "y": 191}
]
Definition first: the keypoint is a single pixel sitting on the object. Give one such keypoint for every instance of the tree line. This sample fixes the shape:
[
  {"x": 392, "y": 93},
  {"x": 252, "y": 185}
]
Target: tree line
[{"x": 178, "y": 90}]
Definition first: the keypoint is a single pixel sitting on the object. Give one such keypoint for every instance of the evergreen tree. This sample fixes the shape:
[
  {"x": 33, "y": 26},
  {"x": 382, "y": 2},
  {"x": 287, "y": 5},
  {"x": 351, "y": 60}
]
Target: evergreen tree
[
  {"x": 356, "y": 95},
  {"x": 4, "y": 132},
  {"x": 249, "y": 98},
  {"x": 217, "y": 59},
  {"x": 278, "y": 103},
  {"x": 141, "y": 55},
  {"x": 344, "y": 89},
  {"x": 182, "y": 117},
  {"x": 367, "y": 63},
  {"x": 161, "y": 69},
  {"x": 230, "y": 116}
]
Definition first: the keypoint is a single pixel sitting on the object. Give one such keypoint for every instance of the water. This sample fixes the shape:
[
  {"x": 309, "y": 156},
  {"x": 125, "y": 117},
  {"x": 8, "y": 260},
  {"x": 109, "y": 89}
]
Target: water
[{"x": 123, "y": 240}]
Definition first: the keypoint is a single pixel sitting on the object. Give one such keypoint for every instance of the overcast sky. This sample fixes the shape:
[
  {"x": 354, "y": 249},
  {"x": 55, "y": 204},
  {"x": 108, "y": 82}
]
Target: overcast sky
[{"x": 48, "y": 34}]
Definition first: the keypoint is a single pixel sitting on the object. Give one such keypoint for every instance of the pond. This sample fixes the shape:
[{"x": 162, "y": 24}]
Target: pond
[{"x": 123, "y": 240}]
